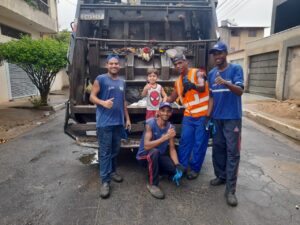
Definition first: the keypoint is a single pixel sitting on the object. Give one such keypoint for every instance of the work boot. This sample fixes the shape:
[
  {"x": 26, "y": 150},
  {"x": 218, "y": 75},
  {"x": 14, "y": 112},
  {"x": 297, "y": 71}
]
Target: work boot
[
  {"x": 155, "y": 191},
  {"x": 217, "y": 182},
  {"x": 191, "y": 175},
  {"x": 105, "y": 189},
  {"x": 231, "y": 199},
  {"x": 116, "y": 177}
]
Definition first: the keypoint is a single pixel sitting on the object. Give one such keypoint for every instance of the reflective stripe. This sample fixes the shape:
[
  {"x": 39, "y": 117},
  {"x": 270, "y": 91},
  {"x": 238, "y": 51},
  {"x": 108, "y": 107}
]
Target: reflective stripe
[
  {"x": 239, "y": 83},
  {"x": 179, "y": 91},
  {"x": 193, "y": 76},
  {"x": 220, "y": 90},
  {"x": 197, "y": 100},
  {"x": 201, "y": 109}
]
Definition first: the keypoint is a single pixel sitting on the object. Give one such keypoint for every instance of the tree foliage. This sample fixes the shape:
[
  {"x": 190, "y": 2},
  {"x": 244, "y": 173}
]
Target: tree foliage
[
  {"x": 62, "y": 36},
  {"x": 41, "y": 59}
]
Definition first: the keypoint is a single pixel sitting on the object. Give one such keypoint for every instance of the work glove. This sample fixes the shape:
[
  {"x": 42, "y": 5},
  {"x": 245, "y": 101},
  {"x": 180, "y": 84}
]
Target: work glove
[
  {"x": 206, "y": 122},
  {"x": 188, "y": 85},
  {"x": 177, "y": 177},
  {"x": 210, "y": 126}
]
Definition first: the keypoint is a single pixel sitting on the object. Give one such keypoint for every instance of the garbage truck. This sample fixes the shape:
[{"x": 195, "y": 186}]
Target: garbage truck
[{"x": 141, "y": 33}]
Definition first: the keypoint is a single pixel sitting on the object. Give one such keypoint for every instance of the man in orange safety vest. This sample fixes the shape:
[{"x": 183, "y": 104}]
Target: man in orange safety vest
[{"x": 192, "y": 89}]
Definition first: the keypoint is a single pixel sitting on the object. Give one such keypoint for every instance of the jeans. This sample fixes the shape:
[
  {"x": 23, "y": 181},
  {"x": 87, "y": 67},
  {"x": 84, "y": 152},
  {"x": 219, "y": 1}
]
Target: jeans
[
  {"x": 226, "y": 151},
  {"x": 109, "y": 139}
]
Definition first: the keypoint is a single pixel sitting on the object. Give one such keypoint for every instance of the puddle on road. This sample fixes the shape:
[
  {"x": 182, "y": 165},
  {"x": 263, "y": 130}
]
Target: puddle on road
[{"x": 89, "y": 159}]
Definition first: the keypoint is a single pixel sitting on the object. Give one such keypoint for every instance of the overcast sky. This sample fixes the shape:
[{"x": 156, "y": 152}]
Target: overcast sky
[{"x": 242, "y": 12}]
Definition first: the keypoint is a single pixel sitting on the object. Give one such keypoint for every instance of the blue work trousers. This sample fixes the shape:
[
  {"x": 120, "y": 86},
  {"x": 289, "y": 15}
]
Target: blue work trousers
[
  {"x": 193, "y": 143},
  {"x": 226, "y": 151},
  {"x": 109, "y": 139}
]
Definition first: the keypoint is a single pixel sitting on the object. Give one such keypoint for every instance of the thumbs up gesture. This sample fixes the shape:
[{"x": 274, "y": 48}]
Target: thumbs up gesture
[{"x": 108, "y": 103}]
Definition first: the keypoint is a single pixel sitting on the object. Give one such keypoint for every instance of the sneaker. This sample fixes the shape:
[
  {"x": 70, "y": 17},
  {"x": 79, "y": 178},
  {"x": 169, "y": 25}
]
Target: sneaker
[
  {"x": 231, "y": 199},
  {"x": 116, "y": 177},
  {"x": 155, "y": 191},
  {"x": 191, "y": 175},
  {"x": 217, "y": 182},
  {"x": 104, "y": 191}
]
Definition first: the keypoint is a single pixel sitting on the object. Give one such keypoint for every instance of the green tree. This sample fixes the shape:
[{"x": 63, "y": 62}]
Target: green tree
[
  {"x": 41, "y": 59},
  {"x": 63, "y": 36}
]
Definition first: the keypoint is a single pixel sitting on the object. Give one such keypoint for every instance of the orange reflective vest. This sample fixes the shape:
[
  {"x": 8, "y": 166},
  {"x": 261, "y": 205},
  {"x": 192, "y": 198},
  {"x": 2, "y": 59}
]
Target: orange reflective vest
[{"x": 194, "y": 102}]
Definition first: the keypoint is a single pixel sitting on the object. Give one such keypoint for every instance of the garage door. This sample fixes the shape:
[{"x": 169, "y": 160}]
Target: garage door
[
  {"x": 20, "y": 84},
  {"x": 263, "y": 73}
]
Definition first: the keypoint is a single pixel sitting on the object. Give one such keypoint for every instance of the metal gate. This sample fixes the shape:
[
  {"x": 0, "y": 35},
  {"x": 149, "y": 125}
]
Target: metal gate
[
  {"x": 20, "y": 84},
  {"x": 263, "y": 73}
]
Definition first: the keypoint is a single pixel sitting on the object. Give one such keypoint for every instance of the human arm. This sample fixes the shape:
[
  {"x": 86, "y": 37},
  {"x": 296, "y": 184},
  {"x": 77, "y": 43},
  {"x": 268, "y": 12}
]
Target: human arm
[
  {"x": 210, "y": 105},
  {"x": 173, "y": 153},
  {"x": 172, "y": 97},
  {"x": 164, "y": 94},
  {"x": 150, "y": 144},
  {"x": 145, "y": 90},
  {"x": 237, "y": 85},
  {"x": 238, "y": 90},
  {"x": 127, "y": 118},
  {"x": 94, "y": 99}
]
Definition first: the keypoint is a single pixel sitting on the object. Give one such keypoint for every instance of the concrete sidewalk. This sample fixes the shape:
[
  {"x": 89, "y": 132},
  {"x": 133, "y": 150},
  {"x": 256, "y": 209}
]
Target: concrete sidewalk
[
  {"x": 19, "y": 116},
  {"x": 281, "y": 116}
]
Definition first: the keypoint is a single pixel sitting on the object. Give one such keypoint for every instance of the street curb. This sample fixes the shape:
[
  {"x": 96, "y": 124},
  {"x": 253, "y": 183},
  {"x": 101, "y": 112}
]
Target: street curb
[
  {"x": 58, "y": 106},
  {"x": 288, "y": 130}
]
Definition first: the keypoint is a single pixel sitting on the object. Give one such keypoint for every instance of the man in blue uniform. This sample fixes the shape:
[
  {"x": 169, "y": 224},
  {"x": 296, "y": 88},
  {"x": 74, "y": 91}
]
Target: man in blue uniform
[
  {"x": 108, "y": 93},
  {"x": 226, "y": 85},
  {"x": 153, "y": 152}
]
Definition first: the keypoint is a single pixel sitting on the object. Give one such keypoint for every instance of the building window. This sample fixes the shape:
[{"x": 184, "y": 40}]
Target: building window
[
  {"x": 252, "y": 33},
  {"x": 235, "y": 33},
  {"x": 12, "y": 32},
  {"x": 41, "y": 5}
]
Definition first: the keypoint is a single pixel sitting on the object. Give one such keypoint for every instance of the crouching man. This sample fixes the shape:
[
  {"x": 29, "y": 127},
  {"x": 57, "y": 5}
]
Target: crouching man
[{"x": 153, "y": 151}]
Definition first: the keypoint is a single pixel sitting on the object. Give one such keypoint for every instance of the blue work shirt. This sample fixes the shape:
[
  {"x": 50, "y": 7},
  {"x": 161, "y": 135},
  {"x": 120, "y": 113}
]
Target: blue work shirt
[
  {"x": 110, "y": 88},
  {"x": 227, "y": 105},
  {"x": 157, "y": 133}
]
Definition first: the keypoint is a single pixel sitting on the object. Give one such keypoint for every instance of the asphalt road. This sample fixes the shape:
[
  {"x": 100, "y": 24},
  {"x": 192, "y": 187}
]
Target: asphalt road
[{"x": 45, "y": 178}]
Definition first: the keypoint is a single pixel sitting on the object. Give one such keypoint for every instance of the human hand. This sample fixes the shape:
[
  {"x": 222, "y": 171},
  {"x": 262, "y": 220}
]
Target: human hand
[
  {"x": 219, "y": 80},
  {"x": 147, "y": 87},
  {"x": 180, "y": 167},
  {"x": 108, "y": 103},
  {"x": 128, "y": 125},
  {"x": 188, "y": 86},
  {"x": 171, "y": 133},
  {"x": 207, "y": 122},
  {"x": 176, "y": 178}
]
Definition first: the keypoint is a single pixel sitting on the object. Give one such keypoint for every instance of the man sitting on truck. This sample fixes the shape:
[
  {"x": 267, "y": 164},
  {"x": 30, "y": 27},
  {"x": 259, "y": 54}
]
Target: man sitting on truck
[
  {"x": 192, "y": 89},
  {"x": 153, "y": 150},
  {"x": 108, "y": 93}
]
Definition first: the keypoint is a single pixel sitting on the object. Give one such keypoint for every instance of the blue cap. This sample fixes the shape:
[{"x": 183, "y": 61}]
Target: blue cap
[
  {"x": 110, "y": 56},
  {"x": 218, "y": 47},
  {"x": 165, "y": 104}
]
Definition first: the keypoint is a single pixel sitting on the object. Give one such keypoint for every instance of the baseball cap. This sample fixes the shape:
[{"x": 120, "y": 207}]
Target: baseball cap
[
  {"x": 110, "y": 56},
  {"x": 218, "y": 47},
  {"x": 165, "y": 104},
  {"x": 177, "y": 57}
]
